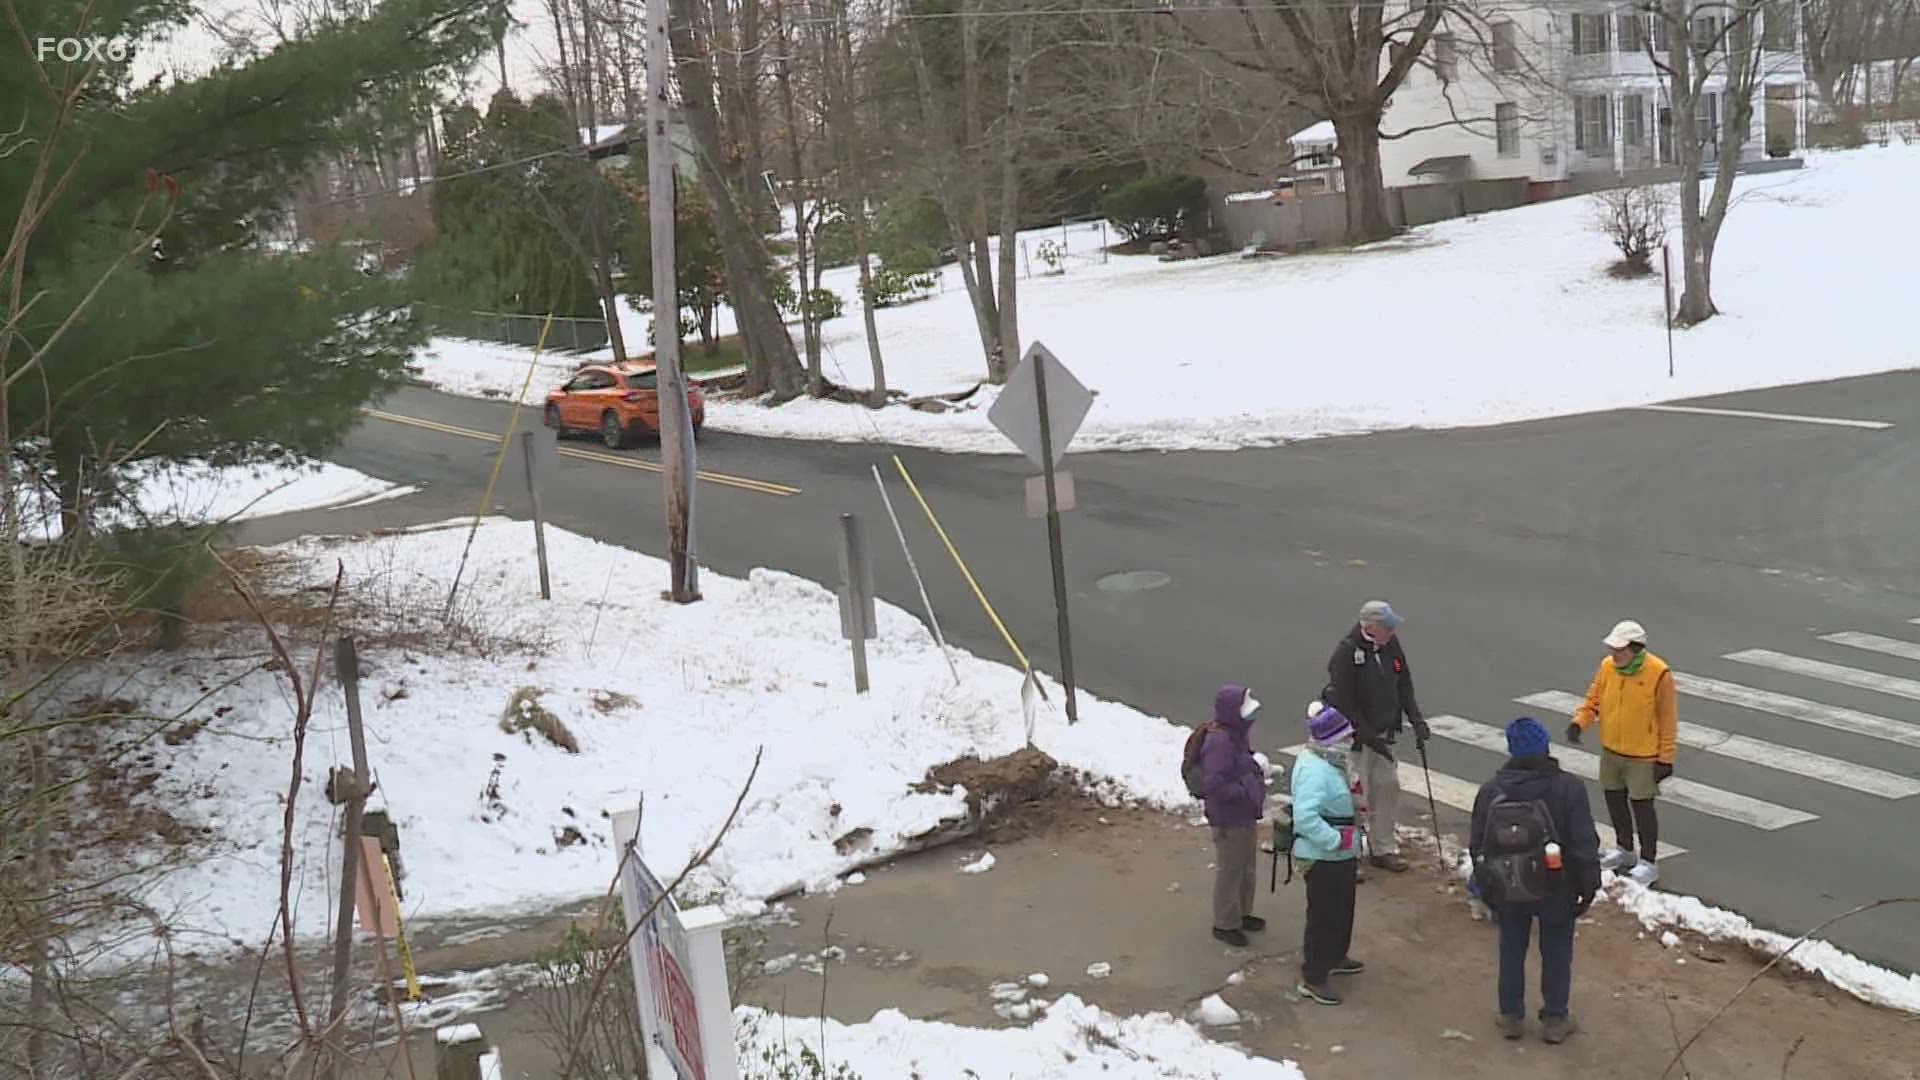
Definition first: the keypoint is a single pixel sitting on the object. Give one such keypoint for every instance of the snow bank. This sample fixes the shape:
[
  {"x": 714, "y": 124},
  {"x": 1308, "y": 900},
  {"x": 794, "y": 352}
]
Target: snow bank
[
  {"x": 666, "y": 702},
  {"x": 1870, "y": 983},
  {"x": 1506, "y": 316},
  {"x": 194, "y": 491},
  {"x": 1072, "y": 1041}
]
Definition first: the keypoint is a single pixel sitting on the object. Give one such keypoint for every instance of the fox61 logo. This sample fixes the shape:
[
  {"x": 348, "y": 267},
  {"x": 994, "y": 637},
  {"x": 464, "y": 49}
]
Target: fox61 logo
[{"x": 74, "y": 50}]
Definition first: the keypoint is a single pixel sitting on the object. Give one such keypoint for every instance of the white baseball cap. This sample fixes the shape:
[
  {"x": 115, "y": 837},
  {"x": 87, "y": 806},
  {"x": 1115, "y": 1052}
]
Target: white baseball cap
[{"x": 1624, "y": 634}]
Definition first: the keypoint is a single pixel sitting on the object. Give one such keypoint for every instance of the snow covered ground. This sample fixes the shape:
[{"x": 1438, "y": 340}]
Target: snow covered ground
[
  {"x": 194, "y": 491},
  {"x": 665, "y": 702},
  {"x": 1073, "y": 1040},
  {"x": 1500, "y": 317}
]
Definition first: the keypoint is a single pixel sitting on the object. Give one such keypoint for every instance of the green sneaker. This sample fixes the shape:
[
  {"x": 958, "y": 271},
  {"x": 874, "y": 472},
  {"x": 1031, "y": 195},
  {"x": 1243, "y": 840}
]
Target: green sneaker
[{"x": 1555, "y": 1029}]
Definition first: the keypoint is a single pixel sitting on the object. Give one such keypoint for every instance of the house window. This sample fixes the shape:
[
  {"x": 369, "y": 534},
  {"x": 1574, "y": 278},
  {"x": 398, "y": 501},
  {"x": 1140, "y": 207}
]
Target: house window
[
  {"x": 1506, "y": 129},
  {"x": 1660, "y": 33},
  {"x": 1506, "y": 49},
  {"x": 1706, "y": 118},
  {"x": 1446, "y": 58},
  {"x": 1706, "y": 35},
  {"x": 1633, "y": 33},
  {"x": 1589, "y": 34},
  {"x": 1779, "y": 32},
  {"x": 1592, "y": 125},
  {"x": 1633, "y": 119}
]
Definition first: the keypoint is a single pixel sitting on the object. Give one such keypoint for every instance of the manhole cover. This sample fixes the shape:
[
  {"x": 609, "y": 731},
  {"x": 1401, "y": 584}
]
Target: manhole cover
[{"x": 1133, "y": 581}]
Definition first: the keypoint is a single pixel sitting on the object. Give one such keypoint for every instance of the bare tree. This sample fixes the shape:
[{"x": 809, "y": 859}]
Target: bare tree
[
  {"x": 1635, "y": 219},
  {"x": 800, "y": 129},
  {"x": 844, "y": 123}
]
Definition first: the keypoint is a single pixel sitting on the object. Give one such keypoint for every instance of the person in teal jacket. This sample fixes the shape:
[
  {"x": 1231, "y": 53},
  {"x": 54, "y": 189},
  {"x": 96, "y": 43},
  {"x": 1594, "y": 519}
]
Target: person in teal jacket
[{"x": 1324, "y": 845}]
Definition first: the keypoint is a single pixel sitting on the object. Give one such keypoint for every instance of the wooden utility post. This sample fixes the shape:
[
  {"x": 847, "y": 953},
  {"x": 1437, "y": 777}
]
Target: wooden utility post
[
  {"x": 857, "y": 613},
  {"x": 351, "y": 790},
  {"x": 676, "y": 426},
  {"x": 539, "y": 519}
]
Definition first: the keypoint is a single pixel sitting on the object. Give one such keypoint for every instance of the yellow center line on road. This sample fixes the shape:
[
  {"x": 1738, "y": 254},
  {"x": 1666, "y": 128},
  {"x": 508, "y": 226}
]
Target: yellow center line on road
[{"x": 762, "y": 487}]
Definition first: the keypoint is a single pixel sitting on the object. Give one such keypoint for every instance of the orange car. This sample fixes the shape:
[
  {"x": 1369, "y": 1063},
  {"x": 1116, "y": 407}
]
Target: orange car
[{"x": 619, "y": 401}]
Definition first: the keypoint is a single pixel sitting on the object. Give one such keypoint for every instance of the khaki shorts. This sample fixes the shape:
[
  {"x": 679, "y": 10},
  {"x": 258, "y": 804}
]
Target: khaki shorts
[{"x": 1633, "y": 774}]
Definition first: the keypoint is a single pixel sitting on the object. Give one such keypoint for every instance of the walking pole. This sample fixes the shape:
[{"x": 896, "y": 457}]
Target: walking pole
[{"x": 1433, "y": 810}]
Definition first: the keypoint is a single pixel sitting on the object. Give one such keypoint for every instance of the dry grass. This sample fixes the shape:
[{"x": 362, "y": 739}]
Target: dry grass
[{"x": 524, "y": 715}]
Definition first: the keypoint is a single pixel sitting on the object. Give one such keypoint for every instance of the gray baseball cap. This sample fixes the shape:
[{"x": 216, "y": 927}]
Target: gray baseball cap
[{"x": 1379, "y": 611}]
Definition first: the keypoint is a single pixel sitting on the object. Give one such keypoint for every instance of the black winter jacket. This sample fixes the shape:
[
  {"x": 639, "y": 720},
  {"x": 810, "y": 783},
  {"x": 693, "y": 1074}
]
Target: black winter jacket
[
  {"x": 1539, "y": 777},
  {"x": 1372, "y": 686}
]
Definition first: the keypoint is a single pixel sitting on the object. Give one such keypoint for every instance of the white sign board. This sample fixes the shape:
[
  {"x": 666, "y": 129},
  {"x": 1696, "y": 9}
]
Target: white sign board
[
  {"x": 662, "y": 966},
  {"x": 1017, "y": 411}
]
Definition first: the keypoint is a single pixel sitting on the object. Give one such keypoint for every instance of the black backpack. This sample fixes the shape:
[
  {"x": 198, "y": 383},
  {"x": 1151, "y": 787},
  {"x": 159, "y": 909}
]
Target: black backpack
[
  {"x": 1512, "y": 868},
  {"x": 1191, "y": 770}
]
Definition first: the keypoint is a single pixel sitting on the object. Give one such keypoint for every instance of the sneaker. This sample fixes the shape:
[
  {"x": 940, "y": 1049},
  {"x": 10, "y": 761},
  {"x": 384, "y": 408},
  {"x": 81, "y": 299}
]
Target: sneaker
[
  {"x": 1323, "y": 993},
  {"x": 1513, "y": 1027},
  {"x": 1555, "y": 1029},
  {"x": 1349, "y": 966},
  {"x": 1644, "y": 872},
  {"x": 1253, "y": 924},
  {"x": 1617, "y": 859},
  {"x": 1232, "y": 937},
  {"x": 1391, "y": 862}
]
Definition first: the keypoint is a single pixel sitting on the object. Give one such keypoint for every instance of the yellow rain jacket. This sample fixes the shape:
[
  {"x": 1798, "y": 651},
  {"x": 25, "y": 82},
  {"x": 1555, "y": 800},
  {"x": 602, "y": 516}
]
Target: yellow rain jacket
[{"x": 1638, "y": 714}]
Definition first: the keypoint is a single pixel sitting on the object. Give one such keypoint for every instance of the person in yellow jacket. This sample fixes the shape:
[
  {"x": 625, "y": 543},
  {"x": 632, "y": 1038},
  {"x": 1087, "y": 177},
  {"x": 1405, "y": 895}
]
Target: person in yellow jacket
[{"x": 1632, "y": 699}]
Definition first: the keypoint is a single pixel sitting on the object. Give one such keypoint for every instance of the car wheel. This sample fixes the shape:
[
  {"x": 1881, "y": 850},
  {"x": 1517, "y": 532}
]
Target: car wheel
[
  {"x": 553, "y": 419},
  {"x": 612, "y": 432}
]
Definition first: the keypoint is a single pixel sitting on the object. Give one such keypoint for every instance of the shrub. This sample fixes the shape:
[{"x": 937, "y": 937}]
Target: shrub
[
  {"x": 826, "y": 303},
  {"x": 909, "y": 234},
  {"x": 1779, "y": 145},
  {"x": 892, "y": 287},
  {"x": 1635, "y": 219},
  {"x": 1157, "y": 207}
]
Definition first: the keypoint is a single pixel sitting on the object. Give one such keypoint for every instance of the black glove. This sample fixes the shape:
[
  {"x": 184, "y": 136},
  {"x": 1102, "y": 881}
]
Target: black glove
[
  {"x": 1573, "y": 733},
  {"x": 1582, "y": 902},
  {"x": 1421, "y": 733},
  {"x": 1661, "y": 770}
]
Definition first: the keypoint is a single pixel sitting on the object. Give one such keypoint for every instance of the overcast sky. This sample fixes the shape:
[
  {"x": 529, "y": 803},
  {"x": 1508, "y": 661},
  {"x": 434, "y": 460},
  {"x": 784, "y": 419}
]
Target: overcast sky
[{"x": 194, "y": 50}]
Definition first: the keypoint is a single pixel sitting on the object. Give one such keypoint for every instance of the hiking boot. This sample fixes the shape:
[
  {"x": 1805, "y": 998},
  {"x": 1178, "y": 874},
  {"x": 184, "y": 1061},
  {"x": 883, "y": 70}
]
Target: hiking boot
[
  {"x": 1253, "y": 924},
  {"x": 1618, "y": 860},
  {"x": 1555, "y": 1029},
  {"x": 1644, "y": 872},
  {"x": 1235, "y": 938},
  {"x": 1322, "y": 993},
  {"x": 1391, "y": 862},
  {"x": 1513, "y": 1026},
  {"x": 1349, "y": 966}
]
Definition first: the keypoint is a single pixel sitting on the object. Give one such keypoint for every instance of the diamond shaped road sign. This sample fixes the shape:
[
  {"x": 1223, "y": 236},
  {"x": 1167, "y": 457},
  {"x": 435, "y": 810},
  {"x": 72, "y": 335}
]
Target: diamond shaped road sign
[{"x": 1017, "y": 412}]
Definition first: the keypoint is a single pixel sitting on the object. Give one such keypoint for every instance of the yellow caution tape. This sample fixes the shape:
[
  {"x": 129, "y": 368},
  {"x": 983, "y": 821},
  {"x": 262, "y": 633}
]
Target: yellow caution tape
[{"x": 961, "y": 563}]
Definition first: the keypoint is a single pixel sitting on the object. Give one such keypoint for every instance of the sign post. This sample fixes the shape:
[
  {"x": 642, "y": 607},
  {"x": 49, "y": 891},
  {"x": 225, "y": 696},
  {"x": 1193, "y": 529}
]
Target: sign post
[
  {"x": 1041, "y": 424},
  {"x": 857, "y": 615},
  {"x": 1666, "y": 274}
]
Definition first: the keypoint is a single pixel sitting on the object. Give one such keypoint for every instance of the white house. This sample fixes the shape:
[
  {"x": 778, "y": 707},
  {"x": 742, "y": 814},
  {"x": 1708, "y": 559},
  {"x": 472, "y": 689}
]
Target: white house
[
  {"x": 1314, "y": 164},
  {"x": 1556, "y": 91}
]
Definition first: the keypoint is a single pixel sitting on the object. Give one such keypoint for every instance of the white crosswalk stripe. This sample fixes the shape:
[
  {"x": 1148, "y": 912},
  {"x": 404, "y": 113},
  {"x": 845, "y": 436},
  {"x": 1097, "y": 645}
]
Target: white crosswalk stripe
[
  {"x": 1753, "y": 751},
  {"x": 1833, "y": 673},
  {"x": 1452, "y": 791},
  {"x": 1850, "y": 721},
  {"x": 1905, "y": 650},
  {"x": 1679, "y": 791}
]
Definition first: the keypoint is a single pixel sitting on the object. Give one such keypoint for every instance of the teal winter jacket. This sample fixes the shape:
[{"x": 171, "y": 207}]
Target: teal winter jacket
[{"x": 1319, "y": 792}]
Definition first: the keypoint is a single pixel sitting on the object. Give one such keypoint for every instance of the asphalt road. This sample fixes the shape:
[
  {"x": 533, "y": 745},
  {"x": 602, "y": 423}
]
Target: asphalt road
[{"x": 1510, "y": 550}]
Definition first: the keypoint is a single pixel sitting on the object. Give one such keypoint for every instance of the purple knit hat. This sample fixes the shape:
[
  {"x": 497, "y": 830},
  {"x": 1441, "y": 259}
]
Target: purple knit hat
[{"x": 1327, "y": 725}]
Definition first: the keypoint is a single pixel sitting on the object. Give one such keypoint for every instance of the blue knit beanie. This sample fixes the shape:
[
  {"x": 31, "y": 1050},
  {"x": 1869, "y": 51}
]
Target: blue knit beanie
[{"x": 1526, "y": 738}]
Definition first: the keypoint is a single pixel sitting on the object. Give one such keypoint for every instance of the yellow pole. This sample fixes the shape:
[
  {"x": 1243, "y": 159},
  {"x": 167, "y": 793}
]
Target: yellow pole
[
  {"x": 961, "y": 563},
  {"x": 406, "y": 954}
]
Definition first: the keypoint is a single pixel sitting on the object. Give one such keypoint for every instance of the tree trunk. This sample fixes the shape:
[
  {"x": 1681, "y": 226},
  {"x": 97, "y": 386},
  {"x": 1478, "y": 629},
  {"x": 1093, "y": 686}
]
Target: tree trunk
[
  {"x": 1367, "y": 217},
  {"x": 844, "y": 111},
  {"x": 759, "y": 200},
  {"x": 1019, "y": 41},
  {"x": 772, "y": 365},
  {"x": 1684, "y": 83},
  {"x": 597, "y": 199},
  {"x": 803, "y": 236}
]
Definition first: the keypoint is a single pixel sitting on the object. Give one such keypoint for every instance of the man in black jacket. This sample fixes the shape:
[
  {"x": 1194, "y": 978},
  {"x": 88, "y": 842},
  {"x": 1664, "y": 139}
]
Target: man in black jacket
[
  {"x": 1372, "y": 685},
  {"x": 1512, "y": 861}
]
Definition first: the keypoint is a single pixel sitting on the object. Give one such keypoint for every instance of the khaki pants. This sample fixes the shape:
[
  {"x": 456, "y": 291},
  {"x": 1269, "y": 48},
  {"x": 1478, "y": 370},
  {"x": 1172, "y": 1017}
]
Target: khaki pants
[
  {"x": 1236, "y": 859},
  {"x": 1380, "y": 789}
]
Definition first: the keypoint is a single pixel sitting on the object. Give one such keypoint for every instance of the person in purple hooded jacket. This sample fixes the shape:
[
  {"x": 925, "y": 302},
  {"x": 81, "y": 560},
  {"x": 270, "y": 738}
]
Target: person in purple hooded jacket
[{"x": 1236, "y": 800}]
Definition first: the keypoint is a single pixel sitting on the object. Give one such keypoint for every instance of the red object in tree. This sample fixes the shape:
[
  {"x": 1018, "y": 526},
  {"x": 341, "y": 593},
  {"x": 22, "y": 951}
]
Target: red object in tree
[
  {"x": 173, "y": 188},
  {"x": 153, "y": 181}
]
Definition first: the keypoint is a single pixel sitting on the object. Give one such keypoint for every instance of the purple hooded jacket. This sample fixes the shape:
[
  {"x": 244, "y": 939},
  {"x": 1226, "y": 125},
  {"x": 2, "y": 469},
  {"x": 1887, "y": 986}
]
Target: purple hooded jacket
[{"x": 1236, "y": 790}]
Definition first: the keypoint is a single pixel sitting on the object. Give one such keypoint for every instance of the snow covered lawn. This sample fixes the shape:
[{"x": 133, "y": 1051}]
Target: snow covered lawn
[
  {"x": 1074, "y": 1040},
  {"x": 1501, "y": 317},
  {"x": 663, "y": 701},
  {"x": 194, "y": 491}
]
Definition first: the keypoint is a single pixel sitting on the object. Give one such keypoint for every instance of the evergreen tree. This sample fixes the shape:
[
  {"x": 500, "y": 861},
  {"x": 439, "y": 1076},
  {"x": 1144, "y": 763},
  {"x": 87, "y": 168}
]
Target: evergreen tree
[{"x": 204, "y": 347}]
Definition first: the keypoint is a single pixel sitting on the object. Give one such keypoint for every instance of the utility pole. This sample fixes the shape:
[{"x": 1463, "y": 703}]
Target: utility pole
[
  {"x": 351, "y": 789},
  {"x": 676, "y": 426}
]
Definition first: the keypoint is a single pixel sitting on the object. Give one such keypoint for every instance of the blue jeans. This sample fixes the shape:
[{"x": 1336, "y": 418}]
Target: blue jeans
[{"x": 1556, "y": 956}]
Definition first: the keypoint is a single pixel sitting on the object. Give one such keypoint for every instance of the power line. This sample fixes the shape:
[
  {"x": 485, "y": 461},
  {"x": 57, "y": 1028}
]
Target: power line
[{"x": 425, "y": 181}]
